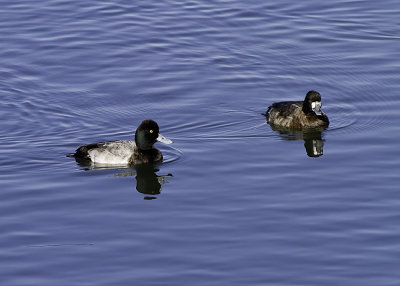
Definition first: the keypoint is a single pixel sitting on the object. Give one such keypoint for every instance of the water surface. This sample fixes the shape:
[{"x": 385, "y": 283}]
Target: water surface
[{"x": 235, "y": 202}]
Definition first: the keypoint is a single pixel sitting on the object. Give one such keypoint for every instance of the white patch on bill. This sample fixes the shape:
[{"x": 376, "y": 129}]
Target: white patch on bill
[{"x": 315, "y": 104}]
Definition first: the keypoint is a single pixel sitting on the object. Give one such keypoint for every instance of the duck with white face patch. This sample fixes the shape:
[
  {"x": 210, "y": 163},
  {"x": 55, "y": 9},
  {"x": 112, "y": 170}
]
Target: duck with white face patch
[{"x": 298, "y": 115}]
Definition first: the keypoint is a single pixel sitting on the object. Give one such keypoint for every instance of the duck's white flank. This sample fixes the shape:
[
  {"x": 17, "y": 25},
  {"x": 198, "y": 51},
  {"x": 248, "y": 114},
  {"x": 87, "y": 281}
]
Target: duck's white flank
[{"x": 113, "y": 153}]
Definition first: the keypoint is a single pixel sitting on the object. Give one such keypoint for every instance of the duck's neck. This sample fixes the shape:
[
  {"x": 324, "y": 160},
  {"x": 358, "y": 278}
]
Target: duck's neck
[
  {"x": 147, "y": 155},
  {"x": 307, "y": 108}
]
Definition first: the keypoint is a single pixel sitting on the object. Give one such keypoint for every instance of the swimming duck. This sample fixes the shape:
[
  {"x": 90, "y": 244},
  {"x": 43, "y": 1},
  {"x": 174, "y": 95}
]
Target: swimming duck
[
  {"x": 126, "y": 152},
  {"x": 298, "y": 114}
]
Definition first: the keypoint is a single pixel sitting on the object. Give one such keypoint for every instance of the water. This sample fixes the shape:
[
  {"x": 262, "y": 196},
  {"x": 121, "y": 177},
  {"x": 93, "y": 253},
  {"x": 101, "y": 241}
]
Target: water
[{"x": 235, "y": 202}]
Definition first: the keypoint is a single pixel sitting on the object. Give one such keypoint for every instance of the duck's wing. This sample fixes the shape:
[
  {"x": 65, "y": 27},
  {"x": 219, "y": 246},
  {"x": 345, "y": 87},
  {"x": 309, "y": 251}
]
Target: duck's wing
[
  {"x": 83, "y": 151},
  {"x": 283, "y": 109},
  {"x": 111, "y": 148}
]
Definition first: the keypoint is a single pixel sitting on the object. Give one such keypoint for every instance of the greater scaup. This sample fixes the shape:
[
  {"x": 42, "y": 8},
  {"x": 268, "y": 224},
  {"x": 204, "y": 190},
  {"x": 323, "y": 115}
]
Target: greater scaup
[
  {"x": 126, "y": 152},
  {"x": 298, "y": 114}
]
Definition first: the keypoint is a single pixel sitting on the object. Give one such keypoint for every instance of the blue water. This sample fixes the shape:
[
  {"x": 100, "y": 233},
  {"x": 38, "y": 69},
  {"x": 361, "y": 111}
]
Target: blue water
[{"x": 235, "y": 202}]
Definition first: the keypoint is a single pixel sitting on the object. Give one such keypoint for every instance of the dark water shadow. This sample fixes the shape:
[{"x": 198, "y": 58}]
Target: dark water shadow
[{"x": 313, "y": 138}]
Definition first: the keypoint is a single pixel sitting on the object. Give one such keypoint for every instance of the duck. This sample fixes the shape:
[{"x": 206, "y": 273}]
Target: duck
[
  {"x": 125, "y": 152},
  {"x": 298, "y": 115}
]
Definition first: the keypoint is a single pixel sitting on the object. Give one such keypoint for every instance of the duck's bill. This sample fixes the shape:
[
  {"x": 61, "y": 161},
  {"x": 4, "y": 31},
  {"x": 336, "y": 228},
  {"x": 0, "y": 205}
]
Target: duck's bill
[
  {"x": 164, "y": 140},
  {"x": 316, "y": 107}
]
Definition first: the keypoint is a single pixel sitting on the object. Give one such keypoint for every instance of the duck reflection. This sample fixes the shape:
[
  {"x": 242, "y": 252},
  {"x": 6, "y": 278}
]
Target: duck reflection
[
  {"x": 147, "y": 181},
  {"x": 313, "y": 139}
]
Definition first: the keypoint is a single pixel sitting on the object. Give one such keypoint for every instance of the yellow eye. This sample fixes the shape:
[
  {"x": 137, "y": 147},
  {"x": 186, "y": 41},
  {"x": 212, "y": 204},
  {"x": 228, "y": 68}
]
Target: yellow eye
[{"x": 151, "y": 131}]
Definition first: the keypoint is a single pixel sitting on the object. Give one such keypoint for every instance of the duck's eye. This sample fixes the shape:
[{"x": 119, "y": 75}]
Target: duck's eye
[{"x": 151, "y": 131}]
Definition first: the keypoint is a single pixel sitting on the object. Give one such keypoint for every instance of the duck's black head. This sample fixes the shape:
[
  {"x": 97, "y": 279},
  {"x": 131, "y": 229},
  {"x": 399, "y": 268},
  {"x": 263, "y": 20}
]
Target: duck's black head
[
  {"x": 147, "y": 134},
  {"x": 312, "y": 103}
]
